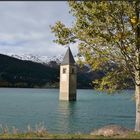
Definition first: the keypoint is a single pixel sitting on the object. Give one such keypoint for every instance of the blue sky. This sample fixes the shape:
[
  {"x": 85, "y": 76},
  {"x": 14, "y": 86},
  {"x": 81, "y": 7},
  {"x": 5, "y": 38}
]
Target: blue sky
[{"x": 24, "y": 27}]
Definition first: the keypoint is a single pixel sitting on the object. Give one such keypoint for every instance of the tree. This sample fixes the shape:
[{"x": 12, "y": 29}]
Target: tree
[{"x": 107, "y": 33}]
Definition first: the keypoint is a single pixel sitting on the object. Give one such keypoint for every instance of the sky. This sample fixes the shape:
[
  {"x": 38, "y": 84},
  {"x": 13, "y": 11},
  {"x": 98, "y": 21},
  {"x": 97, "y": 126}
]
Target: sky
[{"x": 25, "y": 27}]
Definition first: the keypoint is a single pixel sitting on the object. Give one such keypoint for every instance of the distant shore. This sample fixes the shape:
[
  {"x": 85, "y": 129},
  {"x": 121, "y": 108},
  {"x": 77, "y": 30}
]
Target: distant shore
[{"x": 52, "y": 87}]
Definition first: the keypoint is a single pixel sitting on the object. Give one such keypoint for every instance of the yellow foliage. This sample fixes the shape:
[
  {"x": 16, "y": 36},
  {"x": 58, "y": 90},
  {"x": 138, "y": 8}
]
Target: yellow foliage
[{"x": 133, "y": 20}]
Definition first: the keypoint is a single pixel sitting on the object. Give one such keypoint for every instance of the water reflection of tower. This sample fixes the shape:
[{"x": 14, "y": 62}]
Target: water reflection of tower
[{"x": 66, "y": 116}]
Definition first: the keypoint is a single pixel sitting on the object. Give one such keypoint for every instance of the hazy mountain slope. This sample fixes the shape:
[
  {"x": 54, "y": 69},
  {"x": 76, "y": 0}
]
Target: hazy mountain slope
[
  {"x": 30, "y": 74},
  {"x": 23, "y": 73}
]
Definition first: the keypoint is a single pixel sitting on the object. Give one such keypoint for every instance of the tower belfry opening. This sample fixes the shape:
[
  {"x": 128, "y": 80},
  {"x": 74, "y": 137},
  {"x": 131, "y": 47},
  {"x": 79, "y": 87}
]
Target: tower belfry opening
[{"x": 68, "y": 78}]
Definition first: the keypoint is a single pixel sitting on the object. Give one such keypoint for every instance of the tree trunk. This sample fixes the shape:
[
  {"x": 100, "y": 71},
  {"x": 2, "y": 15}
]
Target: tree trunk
[
  {"x": 137, "y": 94},
  {"x": 137, "y": 70}
]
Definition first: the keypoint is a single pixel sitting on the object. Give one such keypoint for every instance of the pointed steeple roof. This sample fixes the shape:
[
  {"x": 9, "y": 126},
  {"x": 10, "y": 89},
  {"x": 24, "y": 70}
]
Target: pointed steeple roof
[{"x": 68, "y": 58}]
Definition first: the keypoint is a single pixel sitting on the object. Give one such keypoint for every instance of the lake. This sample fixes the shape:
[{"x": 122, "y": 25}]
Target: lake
[{"x": 93, "y": 109}]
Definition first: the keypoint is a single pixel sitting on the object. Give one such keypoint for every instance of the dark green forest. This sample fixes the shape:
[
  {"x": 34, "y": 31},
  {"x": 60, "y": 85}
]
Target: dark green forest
[{"x": 28, "y": 74}]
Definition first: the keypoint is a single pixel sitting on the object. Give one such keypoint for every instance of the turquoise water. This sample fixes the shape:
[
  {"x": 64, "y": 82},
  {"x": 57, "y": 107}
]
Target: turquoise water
[{"x": 20, "y": 107}]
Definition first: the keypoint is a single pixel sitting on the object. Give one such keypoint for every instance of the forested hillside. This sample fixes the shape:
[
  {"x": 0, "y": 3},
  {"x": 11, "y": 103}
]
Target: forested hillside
[{"x": 21, "y": 73}]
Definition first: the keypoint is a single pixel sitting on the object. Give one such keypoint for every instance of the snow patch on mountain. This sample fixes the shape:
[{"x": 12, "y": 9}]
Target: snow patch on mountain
[{"x": 37, "y": 58}]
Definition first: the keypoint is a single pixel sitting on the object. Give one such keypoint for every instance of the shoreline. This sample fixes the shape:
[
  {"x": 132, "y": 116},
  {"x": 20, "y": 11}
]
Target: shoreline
[
  {"x": 106, "y": 132},
  {"x": 33, "y": 135}
]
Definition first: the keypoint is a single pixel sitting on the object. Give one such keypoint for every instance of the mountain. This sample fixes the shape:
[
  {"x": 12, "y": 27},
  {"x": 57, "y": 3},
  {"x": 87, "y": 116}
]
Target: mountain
[
  {"x": 15, "y": 72},
  {"x": 24, "y": 73},
  {"x": 37, "y": 58}
]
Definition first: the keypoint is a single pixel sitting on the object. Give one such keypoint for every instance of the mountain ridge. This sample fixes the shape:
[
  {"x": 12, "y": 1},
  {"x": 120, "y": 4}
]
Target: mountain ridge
[
  {"x": 37, "y": 58},
  {"x": 24, "y": 73}
]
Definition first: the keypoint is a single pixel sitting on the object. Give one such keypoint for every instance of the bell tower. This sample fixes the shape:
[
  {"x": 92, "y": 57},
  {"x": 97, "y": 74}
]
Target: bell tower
[{"x": 68, "y": 78}]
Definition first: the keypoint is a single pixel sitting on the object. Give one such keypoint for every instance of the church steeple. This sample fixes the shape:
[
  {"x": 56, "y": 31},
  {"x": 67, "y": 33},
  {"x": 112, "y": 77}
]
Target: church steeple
[
  {"x": 68, "y": 78},
  {"x": 68, "y": 58}
]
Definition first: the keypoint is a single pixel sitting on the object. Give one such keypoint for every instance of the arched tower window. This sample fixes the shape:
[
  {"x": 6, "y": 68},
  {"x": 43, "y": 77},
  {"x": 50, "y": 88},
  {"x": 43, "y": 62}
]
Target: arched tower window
[
  {"x": 64, "y": 70},
  {"x": 72, "y": 70}
]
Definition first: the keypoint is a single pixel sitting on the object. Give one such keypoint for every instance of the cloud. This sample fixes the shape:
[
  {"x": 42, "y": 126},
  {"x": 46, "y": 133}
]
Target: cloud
[
  {"x": 12, "y": 43},
  {"x": 24, "y": 27}
]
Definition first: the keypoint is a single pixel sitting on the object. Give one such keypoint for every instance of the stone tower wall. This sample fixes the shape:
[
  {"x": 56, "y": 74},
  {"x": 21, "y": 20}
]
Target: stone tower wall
[{"x": 67, "y": 82}]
